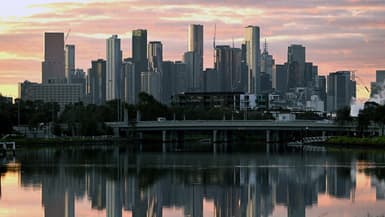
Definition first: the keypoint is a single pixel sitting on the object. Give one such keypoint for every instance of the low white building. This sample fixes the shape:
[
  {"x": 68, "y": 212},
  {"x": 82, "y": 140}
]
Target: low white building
[
  {"x": 61, "y": 93},
  {"x": 247, "y": 101},
  {"x": 315, "y": 104}
]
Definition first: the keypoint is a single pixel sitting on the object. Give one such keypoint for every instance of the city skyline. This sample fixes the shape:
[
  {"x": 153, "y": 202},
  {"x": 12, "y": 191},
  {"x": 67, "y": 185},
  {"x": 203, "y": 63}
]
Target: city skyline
[{"x": 354, "y": 32}]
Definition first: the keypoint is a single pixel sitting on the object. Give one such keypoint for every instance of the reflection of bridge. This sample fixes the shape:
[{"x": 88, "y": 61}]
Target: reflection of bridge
[{"x": 221, "y": 129}]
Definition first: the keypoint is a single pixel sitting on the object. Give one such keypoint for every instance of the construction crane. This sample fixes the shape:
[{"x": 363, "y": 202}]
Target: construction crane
[{"x": 68, "y": 34}]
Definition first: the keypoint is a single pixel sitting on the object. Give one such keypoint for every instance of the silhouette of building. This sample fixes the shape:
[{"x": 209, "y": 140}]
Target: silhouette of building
[
  {"x": 195, "y": 63},
  {"x": 96, "y": 85},
  {"x": 340, "y": 90},
  {"x": 228, "y": 67},
  {"x": 69, "y": 61},
  {"x": 139, "y": 56},
  {"x": 296, "y": 66}
]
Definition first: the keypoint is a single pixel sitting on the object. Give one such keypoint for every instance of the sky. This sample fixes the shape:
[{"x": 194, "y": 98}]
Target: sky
[{"x": 337, "y": 34}]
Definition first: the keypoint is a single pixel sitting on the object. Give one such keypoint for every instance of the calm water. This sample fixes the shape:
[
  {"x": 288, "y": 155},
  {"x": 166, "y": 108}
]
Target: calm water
[{"x": 111, "y": 182}]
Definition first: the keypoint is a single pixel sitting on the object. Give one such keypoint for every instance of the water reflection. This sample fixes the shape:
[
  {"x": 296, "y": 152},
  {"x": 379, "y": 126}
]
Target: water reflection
[{"x": 145, "y": 184}]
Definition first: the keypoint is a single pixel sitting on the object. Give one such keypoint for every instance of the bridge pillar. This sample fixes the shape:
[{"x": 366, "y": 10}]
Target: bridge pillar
[
  {"x": 164, "y": 137},
  {"x": 323, "y": 135},
  {"x": 215, "y": 132},
  {"x": 267, "y": 136}
]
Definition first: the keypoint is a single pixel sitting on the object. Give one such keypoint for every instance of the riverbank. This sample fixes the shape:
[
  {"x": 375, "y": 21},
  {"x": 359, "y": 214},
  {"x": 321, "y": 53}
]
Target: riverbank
[{"x": 356, "y": 142}]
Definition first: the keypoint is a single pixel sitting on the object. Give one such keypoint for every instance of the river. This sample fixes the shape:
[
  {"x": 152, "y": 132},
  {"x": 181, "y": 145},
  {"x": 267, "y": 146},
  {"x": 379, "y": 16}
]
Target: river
[{"x": 113, "y": 182}]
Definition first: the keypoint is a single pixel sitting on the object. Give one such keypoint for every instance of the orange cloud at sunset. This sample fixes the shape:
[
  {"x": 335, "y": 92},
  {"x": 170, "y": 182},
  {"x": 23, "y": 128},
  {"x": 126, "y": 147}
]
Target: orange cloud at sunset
[{"x": 338, "y": 35}]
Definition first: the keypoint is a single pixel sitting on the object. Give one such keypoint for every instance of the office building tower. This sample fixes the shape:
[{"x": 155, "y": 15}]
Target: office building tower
[
  {"x": 253, "y": 59},
  {"x": 189, "y": 60},
  {"x": 267, "y": 62},
  {"x": 279, "y": 78},
  {"x": 379, "y": 85},
  {"x": 155, "y": 56},
  {"x": 69, "y": 61},
  {"x": 168, "y": 81},
  {"x": 340, "y": 90},
  {"x": 244, "y": 69},
  {"x": 96, "y": 87},
  {"x": 150, "y": 84},
  {"x": 195, "y": 45},
  {"x": 53, "y": 65},
  {"x": 130, "y": 92},
  {"x": 180, "y": 77},
  {"x": 113, "y": 68},
  {"x": 139, "y": 54},
  {"x": 212, "y": 79},
  {"x": 311, "y": 75},
  {"x": 322, "y": 89},
  {"x": 228, "y": 66},
  {"x": 296, "y": 66}
]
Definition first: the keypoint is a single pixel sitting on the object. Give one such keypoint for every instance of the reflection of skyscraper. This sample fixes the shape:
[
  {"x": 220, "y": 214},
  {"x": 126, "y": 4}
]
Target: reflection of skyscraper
[{"x": 113, "y": 200}]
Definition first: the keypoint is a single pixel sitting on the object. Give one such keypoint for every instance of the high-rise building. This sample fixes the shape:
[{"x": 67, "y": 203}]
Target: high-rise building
[
  {"x": 155, "y": 56},
  {"x": 150, "y": 84},
  {"x": 380, "y": 76},
  {"x": 139, "y": 55},
  {"x": 130, "y": 92},
  {"x": 379, "y": 85},
  {"x": 296, "y": 63},
  {"x": 189, "y": 60},
  {"x": 228, "y": 66},
  {"x": 322, "y": 89},
  {"x": 69, "y": 61},
  {"x": 53, "y": 65},
  {"x": 267, "y": 69},
  {"x": 253, "y": 59},
  {"x": 113, "y": 68},
  {"x": 180, "y": 77},
  {"x": 168, "y": 81},
  {"x": 195, "y": 45},
  {"x": 96, "y": 87},
  {"x": 279, "y": 78},
  {"x": 340, "y": 90}
]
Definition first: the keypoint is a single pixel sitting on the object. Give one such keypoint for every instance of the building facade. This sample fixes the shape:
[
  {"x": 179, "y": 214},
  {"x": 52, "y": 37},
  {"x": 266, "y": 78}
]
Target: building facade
[
  {"x": 296, "y": 66},
  {"x": 113, "y": 68},
  {"x": 53, "y": 65},
  {"x": 96, "y": 85},
  {"x": 340, "y": 90},
  {"x": 253, "y": 58},
  {"x": 69, "y": 61},
  {"x": 195, "y": 46}
]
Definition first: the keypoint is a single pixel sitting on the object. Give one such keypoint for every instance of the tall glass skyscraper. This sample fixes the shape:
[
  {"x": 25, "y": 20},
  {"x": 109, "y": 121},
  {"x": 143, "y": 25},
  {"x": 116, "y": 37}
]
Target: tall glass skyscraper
[
  {"x": 114, "y": 63},
  {"x": 195, "y": 45},
  {"x": 53, "y": 65},
  {"x": 253, "y": 58}
]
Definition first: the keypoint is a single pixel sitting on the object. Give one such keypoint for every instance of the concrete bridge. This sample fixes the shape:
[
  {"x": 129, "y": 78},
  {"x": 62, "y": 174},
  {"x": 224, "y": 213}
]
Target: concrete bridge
[{"x": 220, "y": 130}]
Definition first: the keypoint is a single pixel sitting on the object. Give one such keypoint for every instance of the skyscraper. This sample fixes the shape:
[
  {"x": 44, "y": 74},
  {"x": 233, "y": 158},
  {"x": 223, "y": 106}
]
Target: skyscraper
[
  {"x": 130, "y": 93},
  {"x": 279, "y": 78},
  {"x": 155, "y": 56},
  {"x": 296, "y": 63},
  {"x": 267, "y": 68},
  {"x": 228, "y": 66},
  {"x": 97, "y": 82},
  {"x": 195, "y": 45},
  {"x": 69, "y": 61},
  {"x": 53, "y": 65},
  {"x": 113, "y": 68},
  {"x": 139, "y": 55},
  {"x": 340, "y": 90},
  {"x": 253, "y": 59}
]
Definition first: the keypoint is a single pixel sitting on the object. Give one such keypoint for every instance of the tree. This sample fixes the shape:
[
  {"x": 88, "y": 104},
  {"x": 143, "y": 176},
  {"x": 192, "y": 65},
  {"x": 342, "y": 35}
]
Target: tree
[{"x": 343, "y": 115}]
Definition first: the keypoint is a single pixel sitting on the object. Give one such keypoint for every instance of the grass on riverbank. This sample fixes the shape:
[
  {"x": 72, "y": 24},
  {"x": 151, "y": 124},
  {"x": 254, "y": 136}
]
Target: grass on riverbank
[{"x": 373, "y": 142}]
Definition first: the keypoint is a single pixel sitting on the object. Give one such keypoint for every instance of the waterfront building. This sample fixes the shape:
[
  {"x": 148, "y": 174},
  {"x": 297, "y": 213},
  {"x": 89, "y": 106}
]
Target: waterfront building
[
  {"x": 61, "y": 93},
  {"x": 69, "y": 61},
  {"x": 253, "y": 59},
  {"x": 53, "y": 64},
  {"x": 208, "y": 99},
  {"x": 113, "y": 68}
]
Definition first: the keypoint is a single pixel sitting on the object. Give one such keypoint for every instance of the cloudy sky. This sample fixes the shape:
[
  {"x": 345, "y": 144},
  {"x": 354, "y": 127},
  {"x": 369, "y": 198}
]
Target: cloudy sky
[{"x": 337, "y": 34}]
